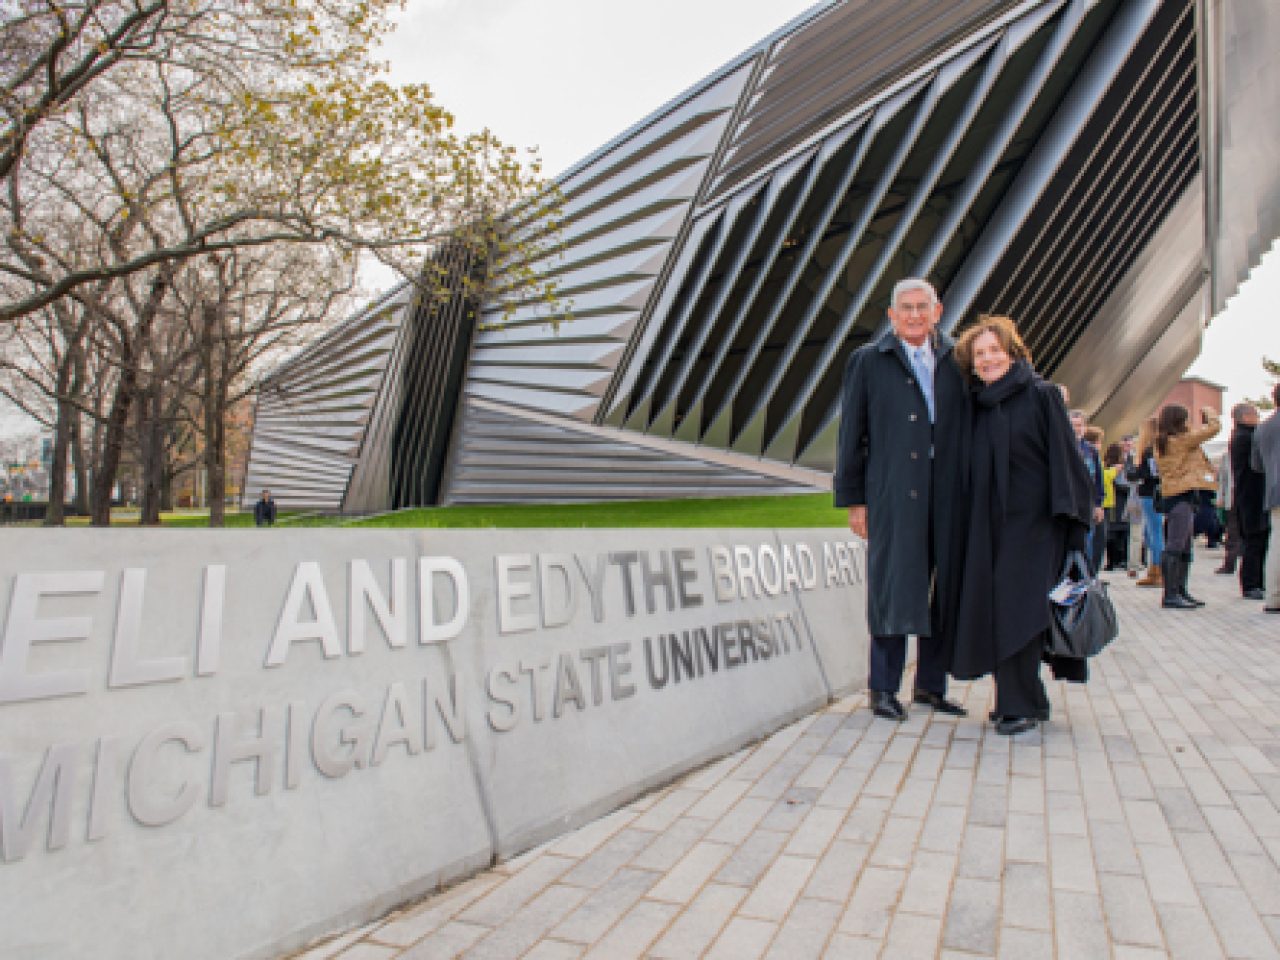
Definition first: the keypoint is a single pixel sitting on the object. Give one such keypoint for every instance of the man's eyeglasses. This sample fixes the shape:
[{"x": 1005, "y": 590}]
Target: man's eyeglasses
[{"x": 915, "y": 308}]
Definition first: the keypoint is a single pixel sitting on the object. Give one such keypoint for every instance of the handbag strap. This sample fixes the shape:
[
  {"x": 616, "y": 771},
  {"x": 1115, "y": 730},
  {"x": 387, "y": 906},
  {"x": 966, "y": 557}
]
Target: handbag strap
[{"x": 1074, "y": 562}]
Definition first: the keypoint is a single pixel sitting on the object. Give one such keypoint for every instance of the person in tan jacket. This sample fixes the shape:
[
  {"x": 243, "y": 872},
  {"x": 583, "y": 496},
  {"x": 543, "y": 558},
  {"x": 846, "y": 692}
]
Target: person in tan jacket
[{"x": 1187, "y": 478}]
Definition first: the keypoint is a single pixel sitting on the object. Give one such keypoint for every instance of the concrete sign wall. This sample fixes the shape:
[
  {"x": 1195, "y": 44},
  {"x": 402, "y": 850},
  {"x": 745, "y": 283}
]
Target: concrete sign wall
[{"x": 225, "y": 744}]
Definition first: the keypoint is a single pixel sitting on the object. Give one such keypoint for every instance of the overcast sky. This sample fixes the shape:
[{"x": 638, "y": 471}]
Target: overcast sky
[{"x": 566, "y": 76}]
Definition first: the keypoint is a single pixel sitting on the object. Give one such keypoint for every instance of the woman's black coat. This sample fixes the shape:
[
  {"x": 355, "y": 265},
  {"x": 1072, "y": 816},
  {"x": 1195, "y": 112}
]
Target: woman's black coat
[
  {"x": 883, "y": 462},
  {"x": 1017, "y": 540}
]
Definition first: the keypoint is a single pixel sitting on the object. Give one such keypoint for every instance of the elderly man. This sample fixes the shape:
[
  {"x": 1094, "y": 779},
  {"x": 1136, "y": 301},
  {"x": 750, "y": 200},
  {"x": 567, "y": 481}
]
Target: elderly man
[
  {"x": 903, "y": 432},
  {"x": 1249, "y": 488},
  {"x": 1265, "y": 457}
]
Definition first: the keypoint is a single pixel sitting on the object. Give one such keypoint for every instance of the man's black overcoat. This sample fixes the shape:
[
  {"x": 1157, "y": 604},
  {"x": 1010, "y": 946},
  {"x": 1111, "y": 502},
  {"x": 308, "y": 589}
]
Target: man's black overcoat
[
  {"x": 883, "y": 462},
  {"x": 1249, "y": 486}
]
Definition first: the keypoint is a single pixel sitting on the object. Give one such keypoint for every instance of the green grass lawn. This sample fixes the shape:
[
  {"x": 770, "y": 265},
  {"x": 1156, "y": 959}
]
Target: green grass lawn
[{"x": 804, "y": 510}]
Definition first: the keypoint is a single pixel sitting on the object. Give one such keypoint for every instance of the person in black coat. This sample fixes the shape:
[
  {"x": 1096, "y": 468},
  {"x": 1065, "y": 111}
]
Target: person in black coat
[
  {"x": 902, "y": 432},
  {"x": 1249, "y": 489},
  {"x": 1031, "y": 500}
]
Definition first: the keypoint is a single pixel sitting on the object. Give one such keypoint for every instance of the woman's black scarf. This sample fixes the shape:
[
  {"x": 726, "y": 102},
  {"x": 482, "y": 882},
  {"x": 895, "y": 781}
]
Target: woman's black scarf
[
  {"x": 989, "y": 468},
  {"x": 989, "y": 481}
]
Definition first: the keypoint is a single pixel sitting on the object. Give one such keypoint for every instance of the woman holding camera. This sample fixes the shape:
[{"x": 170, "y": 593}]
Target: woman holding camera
[{"x": 1187, "y": 479}]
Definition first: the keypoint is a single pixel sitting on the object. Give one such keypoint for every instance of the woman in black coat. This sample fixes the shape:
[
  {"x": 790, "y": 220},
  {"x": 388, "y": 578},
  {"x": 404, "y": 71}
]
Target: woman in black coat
[{"x": 1031, "y": 500}]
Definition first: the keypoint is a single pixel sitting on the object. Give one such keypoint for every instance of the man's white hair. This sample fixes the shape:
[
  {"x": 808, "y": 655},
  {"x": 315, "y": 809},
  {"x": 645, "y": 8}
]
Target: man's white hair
[{"x": 913, "y": 283}]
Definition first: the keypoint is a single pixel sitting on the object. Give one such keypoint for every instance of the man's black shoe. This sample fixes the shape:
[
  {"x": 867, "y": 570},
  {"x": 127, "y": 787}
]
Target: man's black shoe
[
  {"x": 885, "y": 704},
  {"x": 1189, "y": 597},
  {"x": 1229, "y": 571},
  {"x": 939, "y": 703},
  {"x": 1257, "y": 593},
  {"x": 1271, "y": 609},
  {"x": 1177, "y": 602}
]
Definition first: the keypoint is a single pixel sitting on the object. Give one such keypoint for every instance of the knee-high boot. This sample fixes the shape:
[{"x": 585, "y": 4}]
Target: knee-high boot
[
  {"x": 1186, "y": 572},
  {"x": 1174, "y": 567}
]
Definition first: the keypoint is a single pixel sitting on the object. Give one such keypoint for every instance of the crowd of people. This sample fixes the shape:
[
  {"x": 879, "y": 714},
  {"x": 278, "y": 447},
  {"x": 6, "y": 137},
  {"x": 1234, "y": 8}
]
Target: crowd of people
[{"x": 972, "y": 482}]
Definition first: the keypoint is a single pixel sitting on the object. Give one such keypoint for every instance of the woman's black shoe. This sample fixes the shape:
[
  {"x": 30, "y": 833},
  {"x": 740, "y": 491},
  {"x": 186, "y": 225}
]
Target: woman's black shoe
[
  {"x": 1041, "y": 715},
  {"x": 1011, "y": 726},
  {"x": 1187, "y": 596},
  {"x": 1177, "y": 601}
]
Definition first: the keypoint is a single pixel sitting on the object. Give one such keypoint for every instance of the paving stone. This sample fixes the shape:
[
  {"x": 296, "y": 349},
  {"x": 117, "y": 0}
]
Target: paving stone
[
  {"x": 700, "y": 924},
  {"x": 605, "y": 906},
  {"x": 667, "y": 848},
  {"x": 750, "y": 861},
  {"x": 686, "y": 878},
  {"x": 1072, "y": 866},
  {"x": 554, "y": 950},
  {"x": 736, "y": 825},
  {"x": 1131, "y": 916},
  {"x": 845, "y": 947},
  {"x": 451, "y": 940},
  {"x": 897, "y": 843},
  {"x": 805, "y": 933},
  {"x": 514, "y": 892},
  {"x": 815, "y": 832},
  {"x": 635, "y": 932},
  {"x": 837, "y": 871},
  {"x": 1026, "y": 898},
  {"x": 778, "y": 888},
  {"x": 1167, "y": 875},
  {"x": 1205, "y": 859},
  {"x": 720, "y": 799},
  {"x": 1078, "y": 926},
  {"x": 928, "y": 885},
  {"x": 1239, "y": 927},
  {"x": 913, "y": 937},
  {"x": 872, "y": 903},
  {"x": 1260, "y": 878},
  {"x": 1016, "y": 944},
  {"x": 1025, "y": 838},
  {"x": 521, "y": 931},
  {"x": 1188, "y": 931},
  {"x": 608, "y": 858},
  {"x": 743, "y": 939},
  {"x": 943, "y": 829},
  {"x": 973, "y": 917},
  {"x": 410, "y": 926},
  {"x": 982, "y": 855},
  {"x": 367, "y": 951}
]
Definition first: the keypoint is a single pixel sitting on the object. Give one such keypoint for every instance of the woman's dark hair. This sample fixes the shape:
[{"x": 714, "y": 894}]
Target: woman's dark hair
[
  {"x": 1173, "y": 421},
  {"x": 1114, "y": 456}
]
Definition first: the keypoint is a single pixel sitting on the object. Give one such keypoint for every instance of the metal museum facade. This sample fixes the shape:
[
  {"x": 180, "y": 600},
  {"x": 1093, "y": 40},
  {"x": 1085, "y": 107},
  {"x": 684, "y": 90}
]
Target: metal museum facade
[{"x": 1105, "y": 171}]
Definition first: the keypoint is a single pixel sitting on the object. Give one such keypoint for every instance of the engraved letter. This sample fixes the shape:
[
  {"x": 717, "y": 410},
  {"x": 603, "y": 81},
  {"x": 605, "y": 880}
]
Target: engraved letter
[
  {"x": 52, "y": 791},
  {"x": 126, "y": 669},
  {"x": 431, "y": 631},
  {"x": 156, "y": 807},
  {"x": 22, "y": 629},
  {"x": 364, "y": 593},
  {"x": 307, "y": 583}
]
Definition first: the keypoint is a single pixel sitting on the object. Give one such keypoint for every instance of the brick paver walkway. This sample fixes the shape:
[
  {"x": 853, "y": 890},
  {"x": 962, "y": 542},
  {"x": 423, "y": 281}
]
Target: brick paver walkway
[{"x": 1141, "y": 822}]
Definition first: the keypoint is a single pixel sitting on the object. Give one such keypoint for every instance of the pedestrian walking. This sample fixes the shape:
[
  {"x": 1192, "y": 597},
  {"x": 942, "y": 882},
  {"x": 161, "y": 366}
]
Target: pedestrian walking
[{"x": 901, "y": 447}]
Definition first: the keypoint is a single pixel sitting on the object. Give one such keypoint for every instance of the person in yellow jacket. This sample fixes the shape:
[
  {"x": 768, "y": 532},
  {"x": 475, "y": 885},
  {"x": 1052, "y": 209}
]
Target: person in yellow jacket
[{"x": 1186, "y": 479}]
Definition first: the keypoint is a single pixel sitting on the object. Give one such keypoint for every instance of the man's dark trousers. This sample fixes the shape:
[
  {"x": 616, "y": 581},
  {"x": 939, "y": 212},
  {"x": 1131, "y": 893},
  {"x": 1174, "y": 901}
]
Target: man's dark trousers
[
  {"x": 1253, "y": 558},
  {"x": 889, "y": 658}
]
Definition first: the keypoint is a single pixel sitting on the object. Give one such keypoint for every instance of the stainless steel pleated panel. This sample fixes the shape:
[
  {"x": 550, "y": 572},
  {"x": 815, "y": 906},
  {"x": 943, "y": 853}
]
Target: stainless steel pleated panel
[
  {"x": 509, "y": 455},
  {"x": 313, "y": 411},
  {"x": 1241, "y": 77},
  {"x": 620, "y": 216}
]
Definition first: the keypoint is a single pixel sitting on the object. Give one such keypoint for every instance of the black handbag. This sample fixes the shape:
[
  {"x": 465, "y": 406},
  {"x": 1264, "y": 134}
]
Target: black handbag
[{"x": 1082, "y": 617}]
